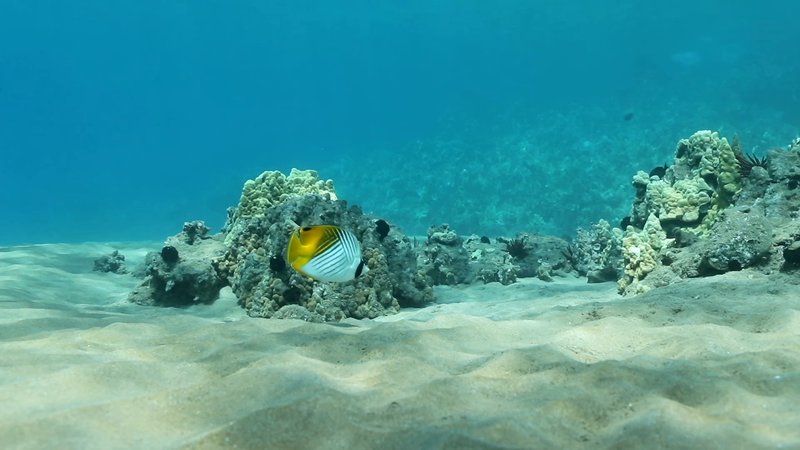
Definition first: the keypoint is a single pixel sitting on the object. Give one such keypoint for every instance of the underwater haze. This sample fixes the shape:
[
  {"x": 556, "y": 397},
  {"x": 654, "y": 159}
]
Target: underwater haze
[{"x": 121, "y": 120}]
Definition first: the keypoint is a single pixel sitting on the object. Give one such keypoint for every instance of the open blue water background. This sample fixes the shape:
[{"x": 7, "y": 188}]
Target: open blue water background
[{"x": 120, "y": 120}]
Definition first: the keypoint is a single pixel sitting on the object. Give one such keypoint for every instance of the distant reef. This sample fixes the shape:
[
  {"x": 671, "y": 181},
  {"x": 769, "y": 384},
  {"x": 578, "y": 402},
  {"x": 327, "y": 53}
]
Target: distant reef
[{"x": 715, "y": 209}]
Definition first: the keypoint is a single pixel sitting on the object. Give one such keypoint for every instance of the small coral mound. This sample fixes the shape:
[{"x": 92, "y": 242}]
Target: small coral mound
[
  {"x": 181, "y": 273},
  {"x": 597, "y": 253},
  {"x": 640, "y": 251},
  {"x": 489, "y": 262},
  {"x": 443, "y": 259},
  {"x": 114, "y": 263},
  {"x": 267, "y": 287}
]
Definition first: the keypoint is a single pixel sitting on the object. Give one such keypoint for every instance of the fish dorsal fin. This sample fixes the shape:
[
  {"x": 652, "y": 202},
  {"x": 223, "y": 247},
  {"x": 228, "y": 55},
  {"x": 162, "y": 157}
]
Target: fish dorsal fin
[{"x": 327, "y": 236}]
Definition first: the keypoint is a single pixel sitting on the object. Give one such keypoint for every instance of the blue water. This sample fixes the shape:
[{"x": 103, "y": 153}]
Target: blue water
[{"x": 120, "y": 120}]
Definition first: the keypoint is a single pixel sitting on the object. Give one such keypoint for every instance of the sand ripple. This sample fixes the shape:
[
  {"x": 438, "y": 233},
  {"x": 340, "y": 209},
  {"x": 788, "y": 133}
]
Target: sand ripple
[{"x": 712, "y": 363}]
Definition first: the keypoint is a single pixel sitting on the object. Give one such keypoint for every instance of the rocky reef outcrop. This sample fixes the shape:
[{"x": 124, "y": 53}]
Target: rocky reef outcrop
[
  {"x": 113, "y": 262},
  {"x": 447, "y": 258},
  {"x": 181, "y": 273},
  {"x": 249, "y": 256},
  {"x": 254, "y": 265},
  {"x": 715, "y": 209}
]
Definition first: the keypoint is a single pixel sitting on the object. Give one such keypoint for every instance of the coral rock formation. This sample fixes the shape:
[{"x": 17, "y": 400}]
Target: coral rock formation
[
  {"x": 187, "y": 280},
  {"x": 449, "y": 259},
  {"x": 114, "y": 262},
  {"x": 272, "y": 188},
  {"x": 267, "y": 289},
  {"x": 597, "y": 253},
  {"x": 701, "y": 182},
  {"x": 443, "y": 259},
  {"x": 710, "y": 215}
]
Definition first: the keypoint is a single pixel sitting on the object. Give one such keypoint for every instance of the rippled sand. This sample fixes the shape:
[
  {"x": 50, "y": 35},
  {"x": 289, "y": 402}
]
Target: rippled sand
[{"x": 709, "y": 363}]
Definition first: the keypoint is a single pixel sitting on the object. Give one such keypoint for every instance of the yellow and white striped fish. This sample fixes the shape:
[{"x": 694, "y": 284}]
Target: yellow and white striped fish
[{"x": 325, "y": 253}]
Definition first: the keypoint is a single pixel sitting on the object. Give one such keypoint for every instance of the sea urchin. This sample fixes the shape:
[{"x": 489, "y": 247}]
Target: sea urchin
[
  {"x": 516, "y": 248},
  {"x": 747, "y": 161}
]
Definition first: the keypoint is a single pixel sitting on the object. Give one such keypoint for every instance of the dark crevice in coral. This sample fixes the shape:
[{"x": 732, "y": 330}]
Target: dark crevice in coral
[
  {"x": 707, "y": 270},
  {"x": 292, "y": 295},
  {"x": 791, "y": 257},
  {"x": 180, "y": 295}
]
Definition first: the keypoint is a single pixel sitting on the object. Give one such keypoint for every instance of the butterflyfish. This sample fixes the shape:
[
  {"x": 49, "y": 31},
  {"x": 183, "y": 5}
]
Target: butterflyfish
[{"x": 325, "y": 253}]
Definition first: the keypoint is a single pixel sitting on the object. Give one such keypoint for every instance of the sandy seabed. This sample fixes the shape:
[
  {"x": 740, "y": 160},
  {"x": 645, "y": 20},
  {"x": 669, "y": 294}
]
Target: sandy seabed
[{"x": 707, "y": 363}]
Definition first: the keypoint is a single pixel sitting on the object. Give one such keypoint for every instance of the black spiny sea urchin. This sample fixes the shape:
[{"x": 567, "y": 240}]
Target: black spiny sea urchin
[
  {"x": 747, "y": 161},
  {"x": 516, "y": 248}
]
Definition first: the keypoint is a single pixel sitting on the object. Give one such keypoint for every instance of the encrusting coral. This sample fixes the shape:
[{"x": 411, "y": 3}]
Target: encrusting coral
[{"x": 443, "y": 259}]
